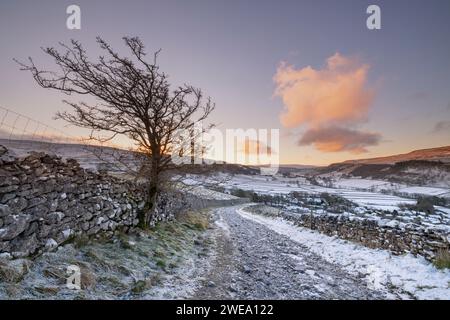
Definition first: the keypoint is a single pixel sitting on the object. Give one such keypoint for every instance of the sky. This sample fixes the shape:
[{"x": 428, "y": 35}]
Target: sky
[{"x": 312, "y": 69}]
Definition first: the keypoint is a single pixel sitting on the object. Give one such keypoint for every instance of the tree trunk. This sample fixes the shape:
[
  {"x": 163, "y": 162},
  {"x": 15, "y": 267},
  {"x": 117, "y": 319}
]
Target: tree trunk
[
  {"x": 152, "y": 196},
  {"x": 144, "y": 216}
]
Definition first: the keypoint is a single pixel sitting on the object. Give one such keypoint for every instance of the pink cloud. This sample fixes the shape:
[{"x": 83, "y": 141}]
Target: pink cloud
[{"x": 335, "y": 97}]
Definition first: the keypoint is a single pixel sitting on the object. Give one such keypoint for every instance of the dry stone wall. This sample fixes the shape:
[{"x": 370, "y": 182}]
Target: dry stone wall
[
  {"x": 44, "y": 201},
  {"x": 424, "y": 241}
]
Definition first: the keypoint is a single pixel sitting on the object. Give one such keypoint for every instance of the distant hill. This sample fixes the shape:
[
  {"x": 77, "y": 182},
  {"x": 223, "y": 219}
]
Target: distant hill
[
  {"x": 433, "y": 154},
  {"x": 297, "y": 166},
  {"x": 427, "y": 167}
]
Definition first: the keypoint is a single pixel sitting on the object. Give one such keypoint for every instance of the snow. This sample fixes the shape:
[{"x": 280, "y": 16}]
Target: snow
[
  {"x": 51, "y": 244},
  {"x": 209, "y": 194},
  {"x": 431, "y": 191},
  {"x": 371, "y": 205},
  {"x": 67, "y": 233},
  {"x": 284, "y": 186},
  {"x": 414, "y": 277},
  {"x": 362, "y": 184},
  {"x": 356, "y": 190},
  {"x": 5, "y": 255},
  {"x": 378, "y": 185},
  {"x": 221, "y": 223},
  {"x": 443, "y": 209}
]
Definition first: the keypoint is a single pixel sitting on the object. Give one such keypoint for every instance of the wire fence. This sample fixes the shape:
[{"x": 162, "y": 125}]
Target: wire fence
[
  {"x": 16, "y": 126},
  {"x": 16, "y": 129},
  {"x": 21, "y": 134}
]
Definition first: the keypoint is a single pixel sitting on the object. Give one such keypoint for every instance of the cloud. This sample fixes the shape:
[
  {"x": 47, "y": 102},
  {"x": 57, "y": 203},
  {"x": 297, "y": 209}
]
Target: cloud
[
  {"x": 442, "y": 126},
  {"x": 336, "y": 139},
  {"x": 331, "y": 100},
  {"x": 335, "y": 94}
]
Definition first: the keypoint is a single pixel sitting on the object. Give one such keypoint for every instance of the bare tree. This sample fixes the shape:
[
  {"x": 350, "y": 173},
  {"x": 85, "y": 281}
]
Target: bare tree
[{"x": 135, "y": 100}]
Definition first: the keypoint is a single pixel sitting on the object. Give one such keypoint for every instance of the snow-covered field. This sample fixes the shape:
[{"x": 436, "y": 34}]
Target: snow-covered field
[
  {"x": 385, "y": 209},
  {"x": 372, "y": 199},
  {"x": 408, "y": 276},
  {"x": 364, "y": 184},
  {"x": 426, "y": 190},
  {"x": 380, "y": 185},
  {"x": 267, "y": 185}
]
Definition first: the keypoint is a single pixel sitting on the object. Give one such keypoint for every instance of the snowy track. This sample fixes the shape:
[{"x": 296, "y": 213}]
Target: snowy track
[
  {"x": 404, "y": 276},
  {"x": 254, "y": 262},
  {"x": 265, "y": 258}
]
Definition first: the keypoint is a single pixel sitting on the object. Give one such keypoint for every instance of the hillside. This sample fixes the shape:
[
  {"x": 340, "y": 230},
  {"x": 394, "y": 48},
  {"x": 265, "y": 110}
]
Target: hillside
[
  {"x": 425, "y": 167},
  {"x": 433, "y": 154}
]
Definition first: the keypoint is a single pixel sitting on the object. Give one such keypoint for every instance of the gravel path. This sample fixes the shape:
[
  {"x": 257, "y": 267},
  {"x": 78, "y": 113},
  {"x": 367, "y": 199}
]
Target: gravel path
[{"x": 253, "y": 262}]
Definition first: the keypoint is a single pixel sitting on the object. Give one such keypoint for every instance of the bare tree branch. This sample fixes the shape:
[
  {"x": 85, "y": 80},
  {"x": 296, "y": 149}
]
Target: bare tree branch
[{"x": 134, "y": 100}]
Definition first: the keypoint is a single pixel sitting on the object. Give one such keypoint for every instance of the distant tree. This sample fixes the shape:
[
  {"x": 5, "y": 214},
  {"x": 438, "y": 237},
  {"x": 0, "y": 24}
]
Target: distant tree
[
  {"x": 336, "y": 203},
  {"x": 425, "y": 204},
  {"x": 134, "y": 99}
]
